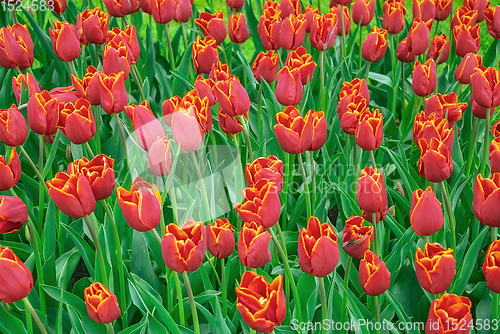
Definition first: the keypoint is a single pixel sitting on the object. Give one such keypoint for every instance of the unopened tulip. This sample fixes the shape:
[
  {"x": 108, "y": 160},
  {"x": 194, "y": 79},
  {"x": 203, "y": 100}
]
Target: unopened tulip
[
  {"x": 270, "y": 168},
  {"x": 424, "y": 79},
  {"x": 447, "y": 311},
  {"x": 113, "y": 93},
  {"x": 289, "y": 88},
  {"x": 426, "y": 215},
  {"x": 183, "y": 11},
  {"x": 235, "y": 5},
  {"x": 184, "y": 247},
  {"x": 347, "y": 19},
  {"x": 486, "y": 196},
  {"x": 262, "y": 305},
  {"x": 374, "y": 277},
  {"x": 491, "y": 267},
  {"x": 464, "y": 71},
  {"x": 369, "y": 132},
  {"x": 394, "y": 13},
  {"x": 220, "y": 72},
  {"x": 102, "y": 304},
  {"x": 371, "y": 193},
  {"x": 310, "y": 13},
  {"x": 201, "y": 107},
  {"x": 289, "y": 7},
  {"x": 495, "y": 155},
  {"x": 220, "y": 238},
  {"x": 212, "y": 25},
  {"x": 162, "y": 10},
  {"x": 319, "y": 130},
  {"x": 403, "y": 53},
  {"x": 478, "y": 5},
  {"x": 479, "y": 111},
  {"x": 486, "y": 86},
  {"x": 186, "y": 128},
  {"x": 418, "y": 37},
  {"x": 253, "y": 245},
  {"x": 435, "y": 163},
  {"x": 16, "y": 47},
  {"x": 443, "y": 9},
  {"x": 205, "y": 89},
  {"x": 495, "y": 129},
  {"x": 93, "y": 23},
  {"x": 304, "y": 62},
  {"x": 424, "y": 9},
  {"x": 120, "y": 8},
  {"x": 435, "y": 268},
  {"x": 324, "y": 31},
  {"x": 129, "y": 36},
  {"x": 43, "y": 113},
  {"x": 467, "y": 39},
  {"x": 205, "y": 54},
  {"x": 293, "y": 31},
  {"x": 228, "y": 124},
  {"x": 13, "y": 211},
  {"x": 64, "y": 41},
  {"x": 232, "y": 97},
  {"x": 88, "y": 88},
  {"x": 356, "y": 237},
  {"x": 269, "y": 28},
  {"x": 10, "y": 173},
  {"x": 439, "y": 48},
  {"x": 294, "y": 133},
  {"x": 160, "y": 157},
  {"x": 237, "y": 26},
  {"x": 350, "y": 119},
  {"x": 318, "y": 248},
  {"x": 363, "y": 11},
  {"x": 72, "y": 194},
  {"x": 115, "y": 59},
  {"x": 29, "y": 83},
  {"x": 16, "y": 280},
  {"x": 13, "y": 128},
  {"x": 76, "y": 121},
  {"x": 265, "y": 66},
  {"x": 492, "y": 16},
  {"x": 375, "y": 45},
  {"x": 261, "y": 204},
  {"x": 147, "y": 128}
]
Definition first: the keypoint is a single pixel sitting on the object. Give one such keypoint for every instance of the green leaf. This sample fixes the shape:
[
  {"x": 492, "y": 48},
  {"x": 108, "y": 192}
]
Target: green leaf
[
  {"x": 9, "y": 323},
  {"x": 134, "y": 329},
  {"x": 86, "y": 251}
]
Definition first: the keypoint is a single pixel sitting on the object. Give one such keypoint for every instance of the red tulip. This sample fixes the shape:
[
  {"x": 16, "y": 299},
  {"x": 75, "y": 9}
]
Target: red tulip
[
  {"x": 403, "y": 53},
  {"x": 147, "y": 128},
  {"x": 270, "y": 169},
  {"x": 29, "y": 83},
  {"x": 261, "y": 204},
  {"x": 445, "y": 106},
  {"x": 186, "y": 129},
  {"x": 72, "y": 194},
  {"x": 64, "y": 94},
  {"x": 310, "y": 13},
  {"x": 318, "y": 248},
  {"x": 447, "y": 314},
  {"x": 113, "y": 94},
  {"x": 238, "y": 31},
  {"x": 13, "y": 128},
  {"x": 356, "y": 237},
  {"x": 426, "y": 215},
  {"x": 294, "y": 133},
  {"x": 467, "y": 39},
  {"x": 363, "y": 11},
  {"x": 418, "y": 37},
  {"x": 102, "y": 304},
  {"x": 374, "y": 277},
  {"x": 289, "y": 88},
  {"x": 486, "y": 86},
  {"x": 163, "y": 10},
  {"x": 369, "y": 132},
  {"x": 424, "y": 79},
  {"x": 16, "y": 47},
  {"x": 371, "y": 193},
  {"x": 43, "y": 113},
  {"x": 477, "y": 110},
  {"x": 99, "y": 171},
  {"x": 348, "y": 93},
  {"x": 235, "y": 5},
  {"x": 93, "y": 24},
  {"x": 464, "y": 15},
  {"x": 253, "y": 245},
  {"x": 120, "y": 8},
  {"x": 212, "y": 25},
  {"x": 289, "y": 7},
  {"x": 262, "y": 305},
  {"x": 479, "y": 5},
  {"x": 394, "y": 12},
  {"x": 141, "y": 206},
  {"x": 201, "y": 108},
  {"x": 220, "y": 238},
  {"x": 269, "y": 28},
  {"x": 115, "y": 59},
  {"x": 323, "y": 31},
  {"x": 495, "y": 155},
  {"x": 319, "y": 130},
  {"x": 129, "y": 36},
  {"x": 16, "y": 280},
  {"x": 347, "y": 19},
  {"x": 76, "y": 121},
  {"x": 205, "y": 54},
  {"x": 486, "y": 196},
  {"x": 350, "y": 119},
  {"x": 440, "y": 48},
  {"x": 435, "y": 163},
  {"x": 220, "y": 72},
  {"x": 304, "y": 62},
  {"x": 433, "y": 126},
  {"x": 464, "y": 71},
  {"x": 424, "y": 9},
  {"x": 13, "y": 211},
  {"x": 443, "y": 9},
  {"x": 265, "y": 66},
  {"x": 10, "y": 173},
  {"x": 228, "y": 124},
  {"x": 160, "y": 157},
  {"x": 88, "y": 88},
  {"x": 491, "y": 267},
  {"x": 435, "y": 268},
  {"x": 64, "y": 41},
  {"x": 293, "y": 31},
  {"x": 492, "y": 16},
  {"x": 232, "y": 97},
  {"x": 183, "y": 11},
  {"x": 205, "y": 89},
  {"x": 375, "y": 45}
]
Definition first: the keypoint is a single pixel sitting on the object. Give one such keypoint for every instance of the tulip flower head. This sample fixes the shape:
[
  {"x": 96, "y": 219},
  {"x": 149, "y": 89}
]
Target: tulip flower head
[
  {"x": 374, "y": 277},
  {"x": 261, "y": 204},
  {"x": 230, "y": 125},
  {"x": 212, "y": 25},
  {"x": 403, "y": 53},
  {"x": 363, "y": 11},
  {"x": 439, "y": 49},
  {"x": 294, "y": 132},
  {"x": 220, "y": 238},
  {"x": 237, "y": 26},
  {"x": 235, "y": 5},
  {"x": 335, "y": 10},
  {"x": 289, "y": 88},
  {"x": 375, "y": 45},
  {"x": 269, "y": 28},
  {"x": 443, "y": 9},
  {"x": 88, "y": 88},
  {"x": 64, "y": 41},
  {"x": 310, "y": 13},
  {"x": 93, "y": 25},
  {"x": 356, "y": 237},
  {"x": 289, "y": 7},
  {"x": 319, "y": 130},
  {"x": 371, "y": 193},
  {"x": 162, "y": 10},
  {"x": 431, "y": 126},
  {"x": 486, "y": 196},
  {"x": 495, "y": 155},
  {"x": 16, "y": 280},
  {"x": 293, "y": 31},
  {"x": 129, "y": 36},
  {"x": 113, "y": 93},
  {"x": 486, "y": 86},
  {"x": 13, "y": 128},
  {"x": 115, "y": 59},
  {"x": 160, "y": 157},
  {"x": 394, "y": 12},
  {"x": 99, "y": 171},
  {"x": 76, "y": 121},
  {"x": 435, "y": 267},
  {"x": 270, "y": 169},
  {"x": 491, "y": 266},
  {"x": 232, "y": 97},
  {"x": 253, "y": 245},
  {"x": 446, "y": 311},
  {"x": 102, "y": 304},
  {"x": 10, "y": 173},
  {"x": 435, "y": 163},
  {"x": 426, "y": 214},
  {"x": 478, "y": 5},
  {"x": 120, "y": 8},
  {"x": 205, "y": 54},
  {"x": 16, "y": 47},
  {"x": 349, "y": 91},
  {"x": 467, "y": 39},
  {"x": 43, "y": 113},
  {"x": 424, "y": 9},
  {"x": 183, "y": 11},
  {"x": 265, "y": 66},
  {"x": 464, "y": 15},
  {"x": 146, "y": 126},
  {"x": 29, "y": 83},
  {"x": 369, "y": 131},
  {"x": 445, "y": 106},
  {"x": 492, "y": 16},
  {"x": 464, "y": 71},
  {"x": 13, "y": 213},
  {"x": 424, "y": 79},
  {"x": 205, "y": 87},
  {"x": 324, "y": 31}
]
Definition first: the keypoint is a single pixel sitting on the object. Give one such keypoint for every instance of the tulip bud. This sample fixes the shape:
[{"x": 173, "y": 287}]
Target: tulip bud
[
  {"x": 201, "y": 108},
  {"x": 486, "y": 194},
  {"x": 486, "y": 86},
  {"x": 466, "y": 39},
  {"x": 369, "y": 132},
  {"x": 129, "y": 36},
  {"x": 64, "y": 94},
  {"x": 141, "y": 206},
  {"x": 253, "y": 245},
  {"x": 72, "y": 194},
  {"x": 120, "y": 8},
  {"x": 255, "y": 298},
  {"x": 147, "y": 128},
  {"x": 289, "y": 88},
  {"x": 160, "y": 157},
  {"x": 183, "y": 11},
  {"x": 10, "y": 173},
  {"x": 16, "y": 47},
  {"x": 492, "y": 15},
  {"x": 371, "y": 193},
  {"x": 350, "y": 119},
  {"x": 76, "y": 121},
  {"x": 265, "y": 66},
  {"x": 347, "y": 19},
  {"x": 289, "y": 7},
  {"x": 113, "y": 93},
  {"x": 115, "y": 59},
  {"x": 464, "y": 71},
  {"x": 477, "y": 5},
  {"x": 440, "y": 48},
  {"x": 403, "y": 53},
  {"x": 269, "y": 28},
  {"x": 477, "y": 110},
  {"x": 64, "y": 41},
  {"x": 261, "y": 204},
  {"x": 293, "y": 31},
  {"x": 324, "y": 31},
  {"x": 42, "y": 113},
  {"x": 232, "y": 97},
  {"x": 394, "y": 13},
  {"x": 363, "y": 11},
  {"x": 186, "y": 130},
  {"x": 29, "y": 83},
  {"x": 13, "y": 211},
  {"x": 356, "y": 237},
  {"x": 220, "y": 238},
  {"x": 99, "y": 171},
  {"x": 238, "y": 31},
  {"x": 16, "y": 280},
  {"x": 163, "y": 10},
  {"x": 426, "y": 215},
  {"x": 270, "y": 169},
  {"x": 435, "y": 268},
  {"x": 235, "y": 5},
  {"x": 205, "y": 88},
  {"x": 374, "y": 277},
  {"x": 424, "y": 9},
  {"x": 319, "y": 130},
  {"x": 318, "y": 240},
  {"x": 464, "y": 15},
  {"x": 228, "y": 124},
  {"x": 491, "y": 267},
  {"x": 447, "y": 311},
  {"x": 294, "y": 133},
  {"x": 13, "y": 128},
  {"x": 375, "y": 45},
  {"x": 495, "y": 155},
  {"x": 88, "y": 88},
  {"x": 102, "y": 304},
  {"x": 310, "y": 13},
  {"x": 418, "y": 37},
  {"x": 435, "y": 163},
  {"x": 93, "y": 23},
  {"x": 445, "y": 106},
  {"x": 443, "y": 9},
  {"x": 424, "y": 79},
  {"x": 173, "y": 246},
  {"x": 212, "y": 25},
  {"x": 205, "y": 54},
  {"x": 220, "y": 72}
]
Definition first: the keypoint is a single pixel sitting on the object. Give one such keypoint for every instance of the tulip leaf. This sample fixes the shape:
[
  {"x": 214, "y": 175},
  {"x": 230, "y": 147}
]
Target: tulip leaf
[
  {"x": 85, "y": 250},
  {"x": 398, "y": 308},
  {"x": 409, "y": 183},
  {"x": 9, "y": 323},
  {"x": 134, "y": 328},
  {"x": 49, "y": 231},
  {"x": 65, "y": 266},
  {"x": 154, "y": 326}
]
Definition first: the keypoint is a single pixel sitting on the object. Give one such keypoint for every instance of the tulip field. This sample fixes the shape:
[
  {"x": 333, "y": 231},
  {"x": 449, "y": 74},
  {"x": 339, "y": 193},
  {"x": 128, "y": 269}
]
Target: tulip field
[{"x": 249, "y": 166}]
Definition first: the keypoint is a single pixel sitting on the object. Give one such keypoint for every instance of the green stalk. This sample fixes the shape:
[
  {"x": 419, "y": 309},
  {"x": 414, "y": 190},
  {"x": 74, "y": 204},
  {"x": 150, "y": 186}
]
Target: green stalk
[
  {"x": 179, "y": 298},
  {"x": 313, "y": 175},
  {"x": 289, "y": 275},
  {"x": 224, "y": 287},
  {"x": 157, "y": 236},
  {"x": 97, "y": 118},
  {"x": 184, "y": 36},
  {"x": 367, "y": 71},
  {"x": 403, "y": 89},
  {"x": 259, "y": 107},
  {"x": 214, "y": 146},
  {"x": 191, "y": 302},
  {"x": 202, "y": 186},
  {"x": 35, "y": 169},
  {"x": 322, "y": 83},
  {"x": 486, "y": 142},
  {"x": 360, "y": 43},
  {"x": 31, "y": 310},
  {"x": 372, "y": 159},
  {"x": 284, "y": 191},
  {"x": 138, "y": 80},
  {"x": 451, "y": 217},
  {"x": 394, "y": 86},
  {"x": 72, "y": 68},
  {"x": 100, "y": 257},
  {"x": 122, "y": 135},
  {"x": 306, "y": 187},
  {"x": 173, "y": 200},
  {"x": 324, "y": 305},
  {"x": 427, "y": 239},
  {"x": 110, "y": 328},
  {"x": 343, "y": 314},
  {"x": 41, "y": 185},
  {"x": 495, "y": 296},
  {"x": 169, "y": 45},
  {"x": 375, "y": 234},
  {"x": 472, "y": 145},
  {"x": 377, "y": 312},
  {"x": 244, "y": 124},
  {"x": 342, "y": 38},
  {"x": 29, "y": 322},
  {"x": 121, "y": 276},
  {"x": 283, "y": 247},
  {"x": 89, "y": 150}
]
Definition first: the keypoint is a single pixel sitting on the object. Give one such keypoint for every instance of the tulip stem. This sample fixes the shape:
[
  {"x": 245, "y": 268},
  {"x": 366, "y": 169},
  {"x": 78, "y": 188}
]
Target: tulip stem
[
  {"x": 138, "y": 80},
  {"x": 367, "y": 71},
  {"x": 191, "y": 302},
  {"x": 403, "y": 89},
  {"x": 306, "y": 186},
  {"x": 372, "y": 158},
  {"x": 179, "y": 298},
  {"x": 247, "y": 137},
  {"x": 342, "y": 29},
  {"x": 343, "y": 314},
  {"x": 427, "y": 239},
  {"x": 313, "y": 176},
  {"x": 173, "y": 201},
  {"x": 72, "y": 69},
  {"x": 184, "y": 36},
  {"x": 156, "y": 235},
  {"x": 322, "y": 82},
  {"x": 121, "y": 276},
  {"x": 495, "y": 306},
  {"x": 472, "y": 145},
  {"x": 38, "y": 261},
  {"x": 31, "y": 310},
  {"x": 100, "y": 257},
  {"x": 360, "y": 43},
  {"x": 122, "y": 135},
  {"x": 324, "y": 305},
  {"x": 169, "y": 45},
  {"x": 394, "y": 77},
  {"x": 486, "y": 141},
  {"x": 89, "y": 150},
  {"x": 202, "y": 186},
  {"x": 110, "y": 328},
  {"x": 224, "y": 287},
  {"x": 375, "y": 234},
  {"x": 285, "y": 189},
  {"x": 288, "y": 273},
  {"x": 259, "y": 107},
  {"x": 97, "y": 118},
  {"x": 35, "y": 169},
  {"x": 377, "y": 314},
  {"x": 41, "y": 182},
  {"x": 451, "y": 217}
]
